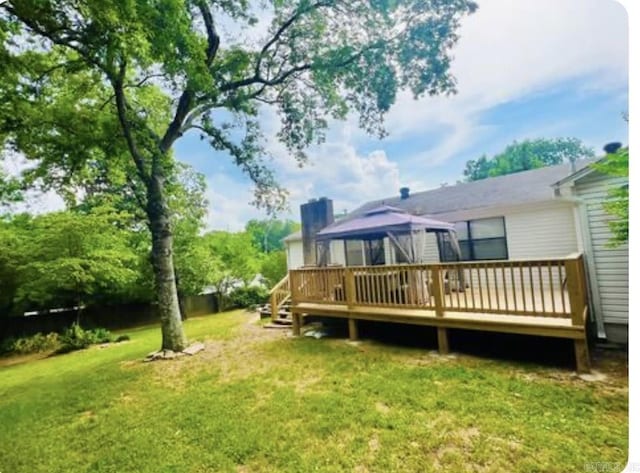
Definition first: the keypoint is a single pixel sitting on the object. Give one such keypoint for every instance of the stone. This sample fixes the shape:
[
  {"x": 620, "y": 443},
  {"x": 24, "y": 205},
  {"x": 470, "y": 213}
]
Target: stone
[
  {"x": 594, "y": 376},
  {"x": 193, "y": 349}
]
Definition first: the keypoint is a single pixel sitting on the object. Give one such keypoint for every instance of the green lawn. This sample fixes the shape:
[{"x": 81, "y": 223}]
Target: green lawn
[{"x": 259, "y": 400}]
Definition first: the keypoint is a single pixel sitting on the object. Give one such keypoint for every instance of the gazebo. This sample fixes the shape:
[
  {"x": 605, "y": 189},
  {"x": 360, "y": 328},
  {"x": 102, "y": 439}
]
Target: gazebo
[{"x": 406, "y": 233}]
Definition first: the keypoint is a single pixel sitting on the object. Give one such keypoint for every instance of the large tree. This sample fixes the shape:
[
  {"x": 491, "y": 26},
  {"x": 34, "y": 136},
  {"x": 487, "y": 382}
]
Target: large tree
[
  {"x": 525, "y": 155},
  {"x": 122, "y": 80}
]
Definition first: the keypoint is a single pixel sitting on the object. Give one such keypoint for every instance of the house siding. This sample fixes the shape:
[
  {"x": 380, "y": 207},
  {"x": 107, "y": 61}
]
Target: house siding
[
  {"x": 610, "y": 266},
  {"x": 295, "y": 258},
  {"x": 536, "y": 231}
]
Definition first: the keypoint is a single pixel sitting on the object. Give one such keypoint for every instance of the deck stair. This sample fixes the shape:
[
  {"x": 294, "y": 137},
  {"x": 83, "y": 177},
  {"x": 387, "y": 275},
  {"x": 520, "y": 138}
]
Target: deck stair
[{"x": 279, "y": 306}]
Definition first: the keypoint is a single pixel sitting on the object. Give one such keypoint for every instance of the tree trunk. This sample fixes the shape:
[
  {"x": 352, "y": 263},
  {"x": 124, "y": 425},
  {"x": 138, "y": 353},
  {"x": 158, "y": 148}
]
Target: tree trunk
[{"x": 173, "y": 337}]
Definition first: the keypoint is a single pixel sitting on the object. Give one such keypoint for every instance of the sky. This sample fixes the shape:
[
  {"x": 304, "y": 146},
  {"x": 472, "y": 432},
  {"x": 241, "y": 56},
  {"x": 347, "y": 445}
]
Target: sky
[{"x": 524, "y": 69}]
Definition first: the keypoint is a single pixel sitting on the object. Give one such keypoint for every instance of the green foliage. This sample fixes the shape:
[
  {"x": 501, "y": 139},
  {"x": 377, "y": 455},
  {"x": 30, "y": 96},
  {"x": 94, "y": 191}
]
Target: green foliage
[
  {"x": 76, "y": 338},
  {"x": 10, "y": 190},
  {"x": 37, "y": 343},
  {"x": 267, "y": 235},
  {"x": 248, "y": 297},
  {"x": 68, "y": 258},
  {"x": 273, "y": 267},
  {"x": 95, "y": 94},
  {"x": 617, "y": 165},
  {"x": 525, "y": 155}
]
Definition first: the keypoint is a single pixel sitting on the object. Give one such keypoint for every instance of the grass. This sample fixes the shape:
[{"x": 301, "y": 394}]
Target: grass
[{"x": 258, "y": 400}]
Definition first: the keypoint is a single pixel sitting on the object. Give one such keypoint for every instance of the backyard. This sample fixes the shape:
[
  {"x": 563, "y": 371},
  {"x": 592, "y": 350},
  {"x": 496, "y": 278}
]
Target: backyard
[{"x": 261, "y": 400}]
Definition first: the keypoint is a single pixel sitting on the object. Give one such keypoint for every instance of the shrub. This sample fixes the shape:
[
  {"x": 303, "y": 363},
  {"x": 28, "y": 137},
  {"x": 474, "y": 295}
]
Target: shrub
[
  {"x": 102, "y": 335},
  {"x": 249, "y": 296},
  {"x": 76, "y": 338},
  {"x": 34, "y": 344},
  {"x": 6, "y": 346}
]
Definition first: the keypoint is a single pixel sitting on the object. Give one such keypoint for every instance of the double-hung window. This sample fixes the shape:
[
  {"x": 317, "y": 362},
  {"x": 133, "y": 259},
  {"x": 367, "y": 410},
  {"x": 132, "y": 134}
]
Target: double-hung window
[{"x": 481, "y": 239}]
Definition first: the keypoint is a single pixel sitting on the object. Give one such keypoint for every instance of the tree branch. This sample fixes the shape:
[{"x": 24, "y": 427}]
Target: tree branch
[
  {"x": 185, "y": 103},
  {"x": 121, "y": 106}
]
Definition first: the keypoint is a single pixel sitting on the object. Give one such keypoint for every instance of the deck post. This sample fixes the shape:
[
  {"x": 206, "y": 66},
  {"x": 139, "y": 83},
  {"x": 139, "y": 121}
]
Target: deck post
[
  {"x": 443, "y": 336},
  {"x": 349, "y": 288},
  {"x": 353, "y": 329},
  {"x": 583, "y": 362},
  {"x": 296, "y": 323},
  {"x": 274, "y": 306},
  {"x": 576, "y": 286},
  {"x": 575, "y": 289}
]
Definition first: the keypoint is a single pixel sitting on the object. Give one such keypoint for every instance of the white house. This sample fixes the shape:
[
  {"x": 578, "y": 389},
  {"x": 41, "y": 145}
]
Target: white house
[{"x": 543, "y": 213}]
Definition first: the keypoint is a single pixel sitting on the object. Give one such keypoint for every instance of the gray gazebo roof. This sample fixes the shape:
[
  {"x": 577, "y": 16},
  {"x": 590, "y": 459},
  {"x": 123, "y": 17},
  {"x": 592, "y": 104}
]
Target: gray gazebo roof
[{"x": 376, "y": 223}]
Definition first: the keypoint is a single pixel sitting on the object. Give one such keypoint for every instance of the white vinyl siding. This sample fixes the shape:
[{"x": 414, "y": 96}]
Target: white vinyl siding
[
  {"x": 295, "y": 257},
  {"x": 545, "y": 232},
  {"x": 536, "y": 231},
  {"x": 611, "y": 265}
]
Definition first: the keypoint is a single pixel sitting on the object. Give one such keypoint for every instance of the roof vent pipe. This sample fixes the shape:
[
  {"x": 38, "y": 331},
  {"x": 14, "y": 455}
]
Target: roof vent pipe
[
  {"x": 611, "y": 148},
  {"x": 404, "y": 193}
]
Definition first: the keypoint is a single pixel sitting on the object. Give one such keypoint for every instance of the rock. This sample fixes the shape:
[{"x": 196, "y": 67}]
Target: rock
[
  {"x": 168, "y": 355},
  {"x": 593, "y": 376},
  {"x": 193, "y": 349}
]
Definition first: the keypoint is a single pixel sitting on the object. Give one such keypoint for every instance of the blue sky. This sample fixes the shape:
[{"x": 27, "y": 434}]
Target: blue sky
[{"x": 525, "y": 69}]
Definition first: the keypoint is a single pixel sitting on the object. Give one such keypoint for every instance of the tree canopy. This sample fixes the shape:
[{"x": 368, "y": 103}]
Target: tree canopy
[
  {"x": 617, "y": 164},
  {"x": 525, "y": 155},
  {"x": 267, "y": 235},
  {"x": 100, "y": 91},
  {"x": 64, "y": 259}
]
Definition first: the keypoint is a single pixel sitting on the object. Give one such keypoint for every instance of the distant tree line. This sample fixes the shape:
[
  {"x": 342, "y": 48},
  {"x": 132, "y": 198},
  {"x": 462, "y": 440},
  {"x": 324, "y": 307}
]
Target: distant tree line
[
  {"x": 97, "y": 252},
  {"x": 526, "y": 155}
]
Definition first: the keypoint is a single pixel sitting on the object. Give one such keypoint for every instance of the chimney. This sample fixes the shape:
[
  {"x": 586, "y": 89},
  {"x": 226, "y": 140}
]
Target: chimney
[
  {"x": 315, "y": 215},
  {"x": 404, "y": 193}
]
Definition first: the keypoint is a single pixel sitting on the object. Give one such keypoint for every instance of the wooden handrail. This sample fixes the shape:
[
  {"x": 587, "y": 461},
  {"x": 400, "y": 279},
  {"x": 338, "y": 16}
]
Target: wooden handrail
[
  {"x": 549, "y": 287},
  {"x": 278, "y": 295}
]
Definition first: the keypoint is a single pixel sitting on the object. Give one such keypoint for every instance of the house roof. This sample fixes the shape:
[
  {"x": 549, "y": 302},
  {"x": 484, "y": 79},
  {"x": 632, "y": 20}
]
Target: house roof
[
  {"x": 512, "y": 189},
  {"x": 578, "y": 174},
  {"x": 518, "y": 188},
  {"x": 293, "y": 237}
]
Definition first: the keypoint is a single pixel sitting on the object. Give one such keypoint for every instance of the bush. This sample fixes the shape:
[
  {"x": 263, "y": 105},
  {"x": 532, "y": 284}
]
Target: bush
[
  {"x": 102, "y": 335},
  {"x": 248, "y": 297},
  {"x": 76, "y": 338},
  {"x": 37, "y": 343}
]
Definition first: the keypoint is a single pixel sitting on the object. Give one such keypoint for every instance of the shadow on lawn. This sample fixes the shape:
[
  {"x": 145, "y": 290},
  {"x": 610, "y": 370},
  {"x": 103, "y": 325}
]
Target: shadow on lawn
[{"x": 539, "y": 351}]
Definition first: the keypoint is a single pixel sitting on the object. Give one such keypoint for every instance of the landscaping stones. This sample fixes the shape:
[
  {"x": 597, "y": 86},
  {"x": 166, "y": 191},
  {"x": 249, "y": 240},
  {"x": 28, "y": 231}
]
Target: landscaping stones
[
  {"x": 170, "y": 354},
  {"x": 193, "y": 349}
]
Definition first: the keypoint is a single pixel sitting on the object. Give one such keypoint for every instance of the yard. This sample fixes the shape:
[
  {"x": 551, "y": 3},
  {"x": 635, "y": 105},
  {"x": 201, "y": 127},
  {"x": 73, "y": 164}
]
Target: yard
[{"x": 259, "y": 400}]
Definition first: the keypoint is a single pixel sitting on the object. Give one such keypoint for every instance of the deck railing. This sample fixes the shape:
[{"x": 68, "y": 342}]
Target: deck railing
[
  {"x": 543, "y": 288},
  {"x": 279, "y": 294}
]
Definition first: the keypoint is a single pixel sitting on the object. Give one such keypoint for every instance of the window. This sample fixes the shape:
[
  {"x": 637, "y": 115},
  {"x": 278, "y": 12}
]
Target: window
[
  {"x": 353, "y": 252},
  {"x": 482, "y": 239}
]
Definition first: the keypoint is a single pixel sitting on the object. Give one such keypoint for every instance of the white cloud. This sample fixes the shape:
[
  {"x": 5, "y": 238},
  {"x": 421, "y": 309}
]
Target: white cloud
[
  {"x": 509, "y": 49},
  {"x": 229, "y": 207}
]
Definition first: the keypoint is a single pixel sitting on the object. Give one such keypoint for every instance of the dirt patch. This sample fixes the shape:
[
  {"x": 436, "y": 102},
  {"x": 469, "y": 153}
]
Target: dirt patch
[{"x": 234, "y": 359}]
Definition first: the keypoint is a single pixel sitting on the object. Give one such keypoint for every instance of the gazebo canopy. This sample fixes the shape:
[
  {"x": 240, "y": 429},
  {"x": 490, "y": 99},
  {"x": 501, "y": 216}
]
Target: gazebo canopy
[{"x": 379, "y": 222}]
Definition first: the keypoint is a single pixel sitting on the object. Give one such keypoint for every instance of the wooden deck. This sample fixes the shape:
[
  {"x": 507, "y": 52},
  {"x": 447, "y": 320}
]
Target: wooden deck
[{"x": 543, "y": 297}]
